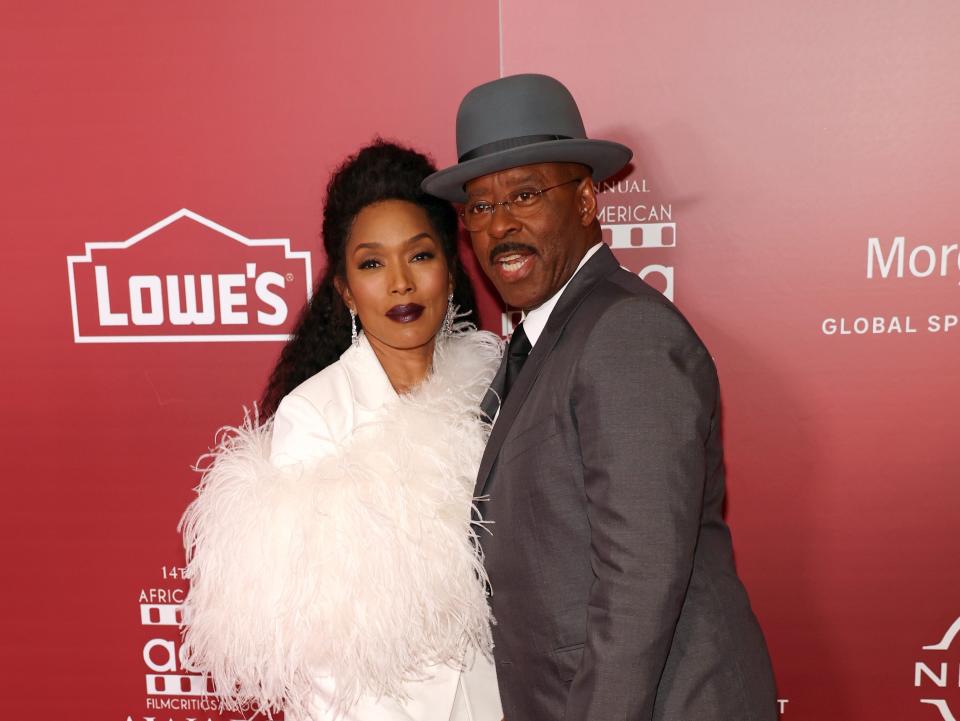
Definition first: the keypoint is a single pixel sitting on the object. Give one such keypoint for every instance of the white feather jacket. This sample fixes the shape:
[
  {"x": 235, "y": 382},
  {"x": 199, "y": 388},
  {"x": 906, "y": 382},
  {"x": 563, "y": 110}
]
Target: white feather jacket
[{"x": 346, "y": 549}]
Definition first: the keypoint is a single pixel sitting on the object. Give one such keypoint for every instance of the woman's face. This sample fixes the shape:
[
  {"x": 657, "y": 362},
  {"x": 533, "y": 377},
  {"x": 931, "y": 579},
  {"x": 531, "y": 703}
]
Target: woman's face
[{"x": 397, "y": 278}]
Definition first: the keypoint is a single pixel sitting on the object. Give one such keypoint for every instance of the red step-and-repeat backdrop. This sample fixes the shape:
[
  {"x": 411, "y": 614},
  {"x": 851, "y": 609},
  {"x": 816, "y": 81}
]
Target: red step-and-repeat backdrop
[{"x": 794, "y": 191}]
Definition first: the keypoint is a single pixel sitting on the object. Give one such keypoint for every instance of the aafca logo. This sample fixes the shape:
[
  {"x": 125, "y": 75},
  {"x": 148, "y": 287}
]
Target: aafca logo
[
  {"x": 164, "y": 607},
  {"x": 632, "y": 221},
  {"x": 170, "y": 688},
  {"x": 186, "y": 279},
  {"x": 938, "y": 671}
]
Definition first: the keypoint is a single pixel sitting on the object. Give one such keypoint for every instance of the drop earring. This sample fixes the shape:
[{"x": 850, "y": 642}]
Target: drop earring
[
  {"x": 354, "y": 336},
  {"x": 447, "y": 327}
]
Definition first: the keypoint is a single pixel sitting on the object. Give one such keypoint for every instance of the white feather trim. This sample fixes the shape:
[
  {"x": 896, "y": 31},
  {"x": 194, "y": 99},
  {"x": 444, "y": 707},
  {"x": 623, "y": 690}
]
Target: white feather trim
[{"x": 361, "y": 565}]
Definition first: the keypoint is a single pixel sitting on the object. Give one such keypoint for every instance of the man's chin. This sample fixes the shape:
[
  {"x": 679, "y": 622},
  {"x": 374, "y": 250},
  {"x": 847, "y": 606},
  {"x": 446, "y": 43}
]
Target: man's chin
[{"x": 522, "y": 298}]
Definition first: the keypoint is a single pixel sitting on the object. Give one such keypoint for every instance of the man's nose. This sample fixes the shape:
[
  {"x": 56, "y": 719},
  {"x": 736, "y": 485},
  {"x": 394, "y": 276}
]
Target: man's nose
[{"x": 502, "y": 222}]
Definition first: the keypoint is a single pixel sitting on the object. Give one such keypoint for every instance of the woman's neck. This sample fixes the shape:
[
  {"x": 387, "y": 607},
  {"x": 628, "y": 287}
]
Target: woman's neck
[{"x": 405, "y": 368}]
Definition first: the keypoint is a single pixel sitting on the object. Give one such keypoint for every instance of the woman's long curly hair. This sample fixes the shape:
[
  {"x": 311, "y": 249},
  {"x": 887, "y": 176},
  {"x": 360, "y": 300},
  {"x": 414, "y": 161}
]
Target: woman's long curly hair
[{"x": 380, "y": 171}]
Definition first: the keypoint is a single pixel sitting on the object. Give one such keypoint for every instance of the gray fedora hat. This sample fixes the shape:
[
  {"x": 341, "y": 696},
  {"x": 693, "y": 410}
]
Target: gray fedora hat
[{"x": 520, "y": 120}]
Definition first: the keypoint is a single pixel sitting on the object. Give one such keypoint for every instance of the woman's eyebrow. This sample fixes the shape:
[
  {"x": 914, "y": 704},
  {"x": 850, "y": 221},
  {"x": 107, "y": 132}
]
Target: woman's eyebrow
[{"x": 376, "y": 246}]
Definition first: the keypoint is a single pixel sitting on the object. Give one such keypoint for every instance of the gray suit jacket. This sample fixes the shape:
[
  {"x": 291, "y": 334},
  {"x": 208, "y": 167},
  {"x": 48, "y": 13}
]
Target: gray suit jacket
[{"x": 611, "y": 567}]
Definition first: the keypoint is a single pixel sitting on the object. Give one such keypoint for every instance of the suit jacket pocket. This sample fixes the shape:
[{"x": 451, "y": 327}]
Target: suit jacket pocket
[
  {"x": 567, "y": 661},
  {"x": 528, "y": 438}
]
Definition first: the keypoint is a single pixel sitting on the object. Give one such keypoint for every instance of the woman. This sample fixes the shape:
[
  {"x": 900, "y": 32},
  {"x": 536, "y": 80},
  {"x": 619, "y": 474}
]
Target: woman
[{"x": 330, "y": 550}]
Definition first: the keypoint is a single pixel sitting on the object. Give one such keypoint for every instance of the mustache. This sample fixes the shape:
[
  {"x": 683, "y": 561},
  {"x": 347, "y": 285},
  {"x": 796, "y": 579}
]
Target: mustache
[{"x": 508, "y": 247}]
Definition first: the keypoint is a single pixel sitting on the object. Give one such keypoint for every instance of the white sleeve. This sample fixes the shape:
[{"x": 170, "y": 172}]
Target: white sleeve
[{"x": 300, "y": 433}]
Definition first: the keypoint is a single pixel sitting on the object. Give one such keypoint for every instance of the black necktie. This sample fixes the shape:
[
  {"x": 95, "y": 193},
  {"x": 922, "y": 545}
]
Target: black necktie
[
  {"x": 513, "y": 360},
  {"x": 517, "y": 352}
]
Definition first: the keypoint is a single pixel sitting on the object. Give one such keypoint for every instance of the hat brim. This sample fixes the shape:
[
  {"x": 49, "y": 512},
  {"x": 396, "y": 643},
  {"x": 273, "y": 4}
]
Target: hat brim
[{"x": 604, "y": 157}]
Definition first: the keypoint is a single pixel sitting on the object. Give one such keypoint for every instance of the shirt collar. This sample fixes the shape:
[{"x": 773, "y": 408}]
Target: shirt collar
[{"x": 535, "y": 320}]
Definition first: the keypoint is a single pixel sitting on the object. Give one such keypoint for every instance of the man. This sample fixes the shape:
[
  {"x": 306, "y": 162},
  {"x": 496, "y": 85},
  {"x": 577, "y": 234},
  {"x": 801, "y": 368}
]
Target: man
[{"x": 611, "y": 567}]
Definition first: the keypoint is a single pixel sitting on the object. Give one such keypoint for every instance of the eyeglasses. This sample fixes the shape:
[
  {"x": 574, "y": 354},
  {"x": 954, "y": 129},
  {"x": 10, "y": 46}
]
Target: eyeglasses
[{"x": 477, "y": 214}]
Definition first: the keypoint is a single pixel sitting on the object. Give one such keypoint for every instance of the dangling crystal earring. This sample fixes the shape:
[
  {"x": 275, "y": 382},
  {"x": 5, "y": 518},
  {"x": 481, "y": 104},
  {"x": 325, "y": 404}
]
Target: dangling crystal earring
[
  {"x": 447, "y": 327},
  {"x": 354, "y": 336}
]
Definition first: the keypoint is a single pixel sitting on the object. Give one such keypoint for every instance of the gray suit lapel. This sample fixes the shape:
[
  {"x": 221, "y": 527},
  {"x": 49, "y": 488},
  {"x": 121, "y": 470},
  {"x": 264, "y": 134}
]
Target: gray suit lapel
[
  {"x": 599, "y": 266},
  {"x": 491, "y": 399}
]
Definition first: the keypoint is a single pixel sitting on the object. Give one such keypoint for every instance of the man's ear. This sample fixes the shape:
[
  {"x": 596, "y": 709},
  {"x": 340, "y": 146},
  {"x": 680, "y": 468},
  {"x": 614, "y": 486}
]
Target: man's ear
[
  {"x": 344, "y": 291},
  {"x": 586, "y": 199}
]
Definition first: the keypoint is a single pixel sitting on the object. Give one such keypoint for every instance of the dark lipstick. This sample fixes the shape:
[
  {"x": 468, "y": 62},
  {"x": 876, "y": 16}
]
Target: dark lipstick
[{"x": 405, "y": 313}]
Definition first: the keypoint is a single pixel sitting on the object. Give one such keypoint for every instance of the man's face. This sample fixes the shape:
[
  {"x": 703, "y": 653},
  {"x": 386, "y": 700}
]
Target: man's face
[{"x": 529, "y": 258}]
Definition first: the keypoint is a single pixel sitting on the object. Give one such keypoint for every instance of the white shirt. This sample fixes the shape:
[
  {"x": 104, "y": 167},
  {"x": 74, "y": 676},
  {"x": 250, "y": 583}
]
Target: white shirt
[{"x": 535, "y": 320}]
